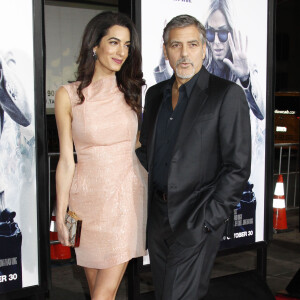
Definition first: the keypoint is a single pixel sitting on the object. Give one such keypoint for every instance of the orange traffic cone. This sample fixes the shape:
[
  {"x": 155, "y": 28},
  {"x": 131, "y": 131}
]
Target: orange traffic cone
[
  {"x": 57, "y": 250},
  {"x": 279, "y": 212}
]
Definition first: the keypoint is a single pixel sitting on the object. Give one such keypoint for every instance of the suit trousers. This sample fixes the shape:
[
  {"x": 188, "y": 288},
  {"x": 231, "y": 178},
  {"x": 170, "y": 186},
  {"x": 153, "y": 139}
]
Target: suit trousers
[{"x": 179, "y": 272}]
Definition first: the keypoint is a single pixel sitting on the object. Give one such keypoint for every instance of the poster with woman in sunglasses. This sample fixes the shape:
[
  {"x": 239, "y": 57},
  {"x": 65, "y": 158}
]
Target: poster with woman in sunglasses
[
  {"x": 226, "y": 54},
  {"x": 226, "y": 57}
]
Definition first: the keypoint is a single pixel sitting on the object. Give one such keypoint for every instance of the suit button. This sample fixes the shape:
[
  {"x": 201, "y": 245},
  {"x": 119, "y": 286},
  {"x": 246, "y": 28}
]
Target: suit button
[{"x": 206, "y": 229}]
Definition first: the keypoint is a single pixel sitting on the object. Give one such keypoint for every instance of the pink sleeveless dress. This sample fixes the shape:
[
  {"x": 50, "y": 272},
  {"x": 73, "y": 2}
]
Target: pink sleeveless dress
[{"x": 109, "y": 186}]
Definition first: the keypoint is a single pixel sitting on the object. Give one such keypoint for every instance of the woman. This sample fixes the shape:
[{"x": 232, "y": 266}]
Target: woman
[
  {"x": 226, "y": 57},
  {"x": 226, "y": 54},
  {"x": 107, "y": 187}
]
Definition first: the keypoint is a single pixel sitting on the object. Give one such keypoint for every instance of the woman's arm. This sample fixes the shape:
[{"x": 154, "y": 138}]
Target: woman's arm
[{"x": 66, "y": 165}]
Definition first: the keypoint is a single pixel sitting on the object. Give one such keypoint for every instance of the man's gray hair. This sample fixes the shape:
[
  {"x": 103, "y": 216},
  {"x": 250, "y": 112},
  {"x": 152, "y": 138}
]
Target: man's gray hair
[{"x": 184, "y": 21}]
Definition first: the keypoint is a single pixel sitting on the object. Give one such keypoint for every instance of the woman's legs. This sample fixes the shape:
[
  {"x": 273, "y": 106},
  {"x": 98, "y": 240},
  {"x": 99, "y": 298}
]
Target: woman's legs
[
  {"x": 91, "y": 275},
  {"x": 104, "y": 283}
]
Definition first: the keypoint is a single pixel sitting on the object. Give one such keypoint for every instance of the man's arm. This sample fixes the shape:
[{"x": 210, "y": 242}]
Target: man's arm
[{"x": 235, "y": 146}]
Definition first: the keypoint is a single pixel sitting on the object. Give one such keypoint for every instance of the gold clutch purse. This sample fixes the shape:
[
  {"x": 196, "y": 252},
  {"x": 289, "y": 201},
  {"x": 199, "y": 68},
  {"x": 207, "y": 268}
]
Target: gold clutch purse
[{"x": 73, "y": 224}]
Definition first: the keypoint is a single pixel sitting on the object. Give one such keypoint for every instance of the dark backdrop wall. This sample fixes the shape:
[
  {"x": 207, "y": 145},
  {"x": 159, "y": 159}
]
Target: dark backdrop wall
[{"x": 287, "y": 45}]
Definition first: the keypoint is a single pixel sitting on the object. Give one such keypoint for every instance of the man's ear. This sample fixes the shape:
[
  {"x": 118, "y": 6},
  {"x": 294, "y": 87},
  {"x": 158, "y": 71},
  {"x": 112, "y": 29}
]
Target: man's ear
[
  {"x": 165, "y": 52},
  {"x": 203, "y": 50}
]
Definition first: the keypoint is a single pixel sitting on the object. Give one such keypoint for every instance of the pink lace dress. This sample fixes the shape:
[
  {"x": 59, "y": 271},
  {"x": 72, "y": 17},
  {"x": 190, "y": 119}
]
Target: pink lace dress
[{"x": 109, "y": 185}]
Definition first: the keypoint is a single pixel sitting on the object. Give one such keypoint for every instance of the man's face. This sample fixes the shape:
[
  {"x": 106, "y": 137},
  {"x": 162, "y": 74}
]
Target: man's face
[
  {"x": 185, "y": 51},
  {"x": 218, "y": 26}
]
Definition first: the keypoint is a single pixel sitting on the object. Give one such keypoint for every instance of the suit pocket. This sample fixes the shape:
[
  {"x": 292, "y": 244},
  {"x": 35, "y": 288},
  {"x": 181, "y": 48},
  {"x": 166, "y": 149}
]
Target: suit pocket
[
  {"x": 206, "y": 125},
  {"x": 205, "y": 117},
  {"x": 201, "y": 199},
  {"x": 205, "y": 196}
]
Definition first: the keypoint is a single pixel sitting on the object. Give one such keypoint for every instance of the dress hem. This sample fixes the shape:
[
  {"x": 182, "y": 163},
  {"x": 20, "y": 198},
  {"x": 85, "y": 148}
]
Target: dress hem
[{"x": 106, "y": 266}]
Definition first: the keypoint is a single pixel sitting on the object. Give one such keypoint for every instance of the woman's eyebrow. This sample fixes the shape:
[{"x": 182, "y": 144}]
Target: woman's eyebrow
[
  {"x": 220, "y": 27},
  {"x": 114, "y": 38}
]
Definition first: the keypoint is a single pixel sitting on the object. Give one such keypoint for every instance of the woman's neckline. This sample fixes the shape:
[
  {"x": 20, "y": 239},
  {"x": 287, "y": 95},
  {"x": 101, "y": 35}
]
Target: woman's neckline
[{"x": 105, "y": 78}]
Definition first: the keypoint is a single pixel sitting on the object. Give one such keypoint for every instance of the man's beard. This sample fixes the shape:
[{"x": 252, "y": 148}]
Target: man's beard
[{"x": 184, "y": 75}]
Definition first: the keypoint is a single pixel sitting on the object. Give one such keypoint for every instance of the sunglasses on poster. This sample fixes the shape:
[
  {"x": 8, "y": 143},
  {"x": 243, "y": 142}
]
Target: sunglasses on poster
[{"x": 222, "y": 35}]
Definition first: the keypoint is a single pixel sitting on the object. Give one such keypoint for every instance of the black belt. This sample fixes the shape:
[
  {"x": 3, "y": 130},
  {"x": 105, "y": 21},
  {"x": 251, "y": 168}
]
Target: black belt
[{"x": 162, "y": 195}]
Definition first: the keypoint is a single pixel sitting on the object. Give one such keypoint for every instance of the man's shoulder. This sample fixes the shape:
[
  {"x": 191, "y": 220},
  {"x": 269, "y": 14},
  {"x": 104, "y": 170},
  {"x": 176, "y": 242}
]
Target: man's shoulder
[
  {"x": 158, "y": 87},
  {"x": 221, "y": 81},
  {"x": 226, "y": 91}
]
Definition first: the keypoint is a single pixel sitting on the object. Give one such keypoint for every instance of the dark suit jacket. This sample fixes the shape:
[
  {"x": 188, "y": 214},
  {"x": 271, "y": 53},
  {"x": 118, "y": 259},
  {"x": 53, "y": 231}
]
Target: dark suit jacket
[{"x": 211, "y": 159}]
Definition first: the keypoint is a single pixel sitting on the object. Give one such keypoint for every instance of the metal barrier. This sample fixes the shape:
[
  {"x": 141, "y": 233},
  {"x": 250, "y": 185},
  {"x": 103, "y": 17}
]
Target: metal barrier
[
  {"x": 51, "y": 171},
  {"x": 288, "y": 165}
]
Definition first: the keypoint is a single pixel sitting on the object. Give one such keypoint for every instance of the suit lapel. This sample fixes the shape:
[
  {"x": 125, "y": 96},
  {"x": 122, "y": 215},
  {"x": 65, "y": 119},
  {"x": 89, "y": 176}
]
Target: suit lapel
[{"x": 196, "y": 102}]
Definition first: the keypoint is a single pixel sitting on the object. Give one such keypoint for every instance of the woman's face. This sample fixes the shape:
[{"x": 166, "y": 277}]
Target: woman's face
[
  {"x": 218, "y": 27},
  {"x": 113, "y": 50}
]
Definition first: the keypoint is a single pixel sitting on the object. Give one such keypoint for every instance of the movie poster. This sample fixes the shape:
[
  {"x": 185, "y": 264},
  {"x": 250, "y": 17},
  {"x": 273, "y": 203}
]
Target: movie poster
[
  {"x": 245, "y": 23},
  {"x": 18, "y": 200}
]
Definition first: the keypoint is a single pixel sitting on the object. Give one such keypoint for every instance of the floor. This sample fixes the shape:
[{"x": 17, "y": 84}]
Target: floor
[{"x": 283, "y": 261}]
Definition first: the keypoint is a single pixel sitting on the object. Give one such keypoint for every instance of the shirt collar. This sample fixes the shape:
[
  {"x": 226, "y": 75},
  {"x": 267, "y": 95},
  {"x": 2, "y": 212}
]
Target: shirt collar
[{"x": 188, "y": 86}]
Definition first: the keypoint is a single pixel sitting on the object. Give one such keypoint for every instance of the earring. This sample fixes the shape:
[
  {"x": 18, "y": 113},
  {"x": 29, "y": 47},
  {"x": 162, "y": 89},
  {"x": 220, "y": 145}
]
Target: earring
[{"x": 95, "y": 55}]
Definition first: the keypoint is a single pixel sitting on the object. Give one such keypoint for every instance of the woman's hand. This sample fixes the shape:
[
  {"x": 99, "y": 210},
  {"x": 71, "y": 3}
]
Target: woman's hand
[
  {"x": 63, "y": 233},
  {"x": 239, "y": 64}
]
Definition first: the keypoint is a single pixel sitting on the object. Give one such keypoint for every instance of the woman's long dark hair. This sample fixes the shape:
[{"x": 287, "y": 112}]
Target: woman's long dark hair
[{"x": 130, "y": 77}]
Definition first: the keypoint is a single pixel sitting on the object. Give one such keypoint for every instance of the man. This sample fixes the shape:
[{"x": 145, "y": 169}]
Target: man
[{"x": 196, "y": 145}]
